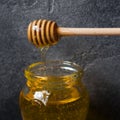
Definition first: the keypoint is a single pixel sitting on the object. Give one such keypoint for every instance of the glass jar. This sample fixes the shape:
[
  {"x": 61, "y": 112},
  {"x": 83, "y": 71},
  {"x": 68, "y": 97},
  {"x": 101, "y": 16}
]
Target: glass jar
[{"x": 54, "y": 91}]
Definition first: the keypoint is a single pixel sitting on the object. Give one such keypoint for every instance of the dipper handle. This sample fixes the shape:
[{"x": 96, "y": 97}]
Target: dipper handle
[{"x": 88, "y": 31}]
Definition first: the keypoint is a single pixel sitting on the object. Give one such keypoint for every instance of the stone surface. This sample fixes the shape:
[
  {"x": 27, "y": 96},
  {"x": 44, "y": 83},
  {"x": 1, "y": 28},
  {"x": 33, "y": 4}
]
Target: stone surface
[{"x": 99, "y": 56}]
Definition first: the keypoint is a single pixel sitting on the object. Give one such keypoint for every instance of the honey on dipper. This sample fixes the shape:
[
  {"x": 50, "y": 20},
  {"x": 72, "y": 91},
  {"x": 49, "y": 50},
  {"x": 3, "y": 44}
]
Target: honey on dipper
[{"x": 42, "y": 33}]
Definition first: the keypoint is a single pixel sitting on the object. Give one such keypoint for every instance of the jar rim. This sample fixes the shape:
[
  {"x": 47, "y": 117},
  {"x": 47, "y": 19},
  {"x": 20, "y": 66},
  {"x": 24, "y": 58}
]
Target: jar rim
[{"x": 66, "y": 68}]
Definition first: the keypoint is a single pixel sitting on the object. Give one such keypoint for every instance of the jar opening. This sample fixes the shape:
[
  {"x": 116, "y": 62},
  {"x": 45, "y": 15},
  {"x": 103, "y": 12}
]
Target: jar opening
[{"x": 52, "y": 68}]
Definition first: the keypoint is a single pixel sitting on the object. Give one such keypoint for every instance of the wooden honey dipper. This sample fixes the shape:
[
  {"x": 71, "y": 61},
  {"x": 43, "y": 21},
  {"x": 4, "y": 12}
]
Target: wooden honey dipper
[{"x": 46, "y": 33}]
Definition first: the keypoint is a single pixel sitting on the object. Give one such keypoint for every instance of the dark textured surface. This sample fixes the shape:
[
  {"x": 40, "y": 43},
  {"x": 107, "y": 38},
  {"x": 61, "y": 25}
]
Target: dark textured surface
[{"x": 99, "y": 56}]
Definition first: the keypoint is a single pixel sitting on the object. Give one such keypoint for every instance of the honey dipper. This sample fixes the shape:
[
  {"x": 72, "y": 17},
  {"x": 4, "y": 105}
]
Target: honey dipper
[{"x": 46, "y": 33}]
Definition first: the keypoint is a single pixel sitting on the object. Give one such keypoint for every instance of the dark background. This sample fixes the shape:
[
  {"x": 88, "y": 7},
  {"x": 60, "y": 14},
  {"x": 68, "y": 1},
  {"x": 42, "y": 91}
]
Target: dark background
[{"x": 99, "y": 56}]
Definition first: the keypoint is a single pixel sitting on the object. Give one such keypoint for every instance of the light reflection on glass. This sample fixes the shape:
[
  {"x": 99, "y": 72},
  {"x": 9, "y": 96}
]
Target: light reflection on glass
[{"x": 42, "y": 96}]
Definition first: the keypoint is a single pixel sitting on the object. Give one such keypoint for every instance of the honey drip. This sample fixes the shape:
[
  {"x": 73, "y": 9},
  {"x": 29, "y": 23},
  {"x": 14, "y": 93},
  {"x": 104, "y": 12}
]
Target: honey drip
[{"x": 43, "y": 52}]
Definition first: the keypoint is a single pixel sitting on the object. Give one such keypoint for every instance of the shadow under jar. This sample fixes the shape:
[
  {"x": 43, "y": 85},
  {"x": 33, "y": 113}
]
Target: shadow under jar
[{"x": 54, "y": 91}]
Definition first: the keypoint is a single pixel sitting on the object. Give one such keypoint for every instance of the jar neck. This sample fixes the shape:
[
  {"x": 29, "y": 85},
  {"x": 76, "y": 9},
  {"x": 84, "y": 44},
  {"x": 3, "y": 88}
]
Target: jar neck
[
  {"x": 58, "y": 76},
  {"x": 54, "y": 82}
]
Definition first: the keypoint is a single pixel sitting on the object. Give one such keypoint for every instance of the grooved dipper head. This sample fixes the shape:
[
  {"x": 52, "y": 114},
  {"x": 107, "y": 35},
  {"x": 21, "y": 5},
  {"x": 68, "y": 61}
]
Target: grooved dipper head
[{"x": 42, "y": 33}]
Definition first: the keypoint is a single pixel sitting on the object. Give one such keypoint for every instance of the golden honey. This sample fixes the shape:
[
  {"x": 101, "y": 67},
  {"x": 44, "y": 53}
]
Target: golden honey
[{"x": 54, "y": 92}]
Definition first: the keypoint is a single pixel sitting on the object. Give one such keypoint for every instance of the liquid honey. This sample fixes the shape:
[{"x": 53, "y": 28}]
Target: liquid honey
[{"x": 54, "y": 98}]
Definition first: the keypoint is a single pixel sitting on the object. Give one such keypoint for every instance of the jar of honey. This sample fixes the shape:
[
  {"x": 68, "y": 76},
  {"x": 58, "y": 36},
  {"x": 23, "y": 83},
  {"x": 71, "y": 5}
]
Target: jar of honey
[{"x": 54, "y": 91}]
